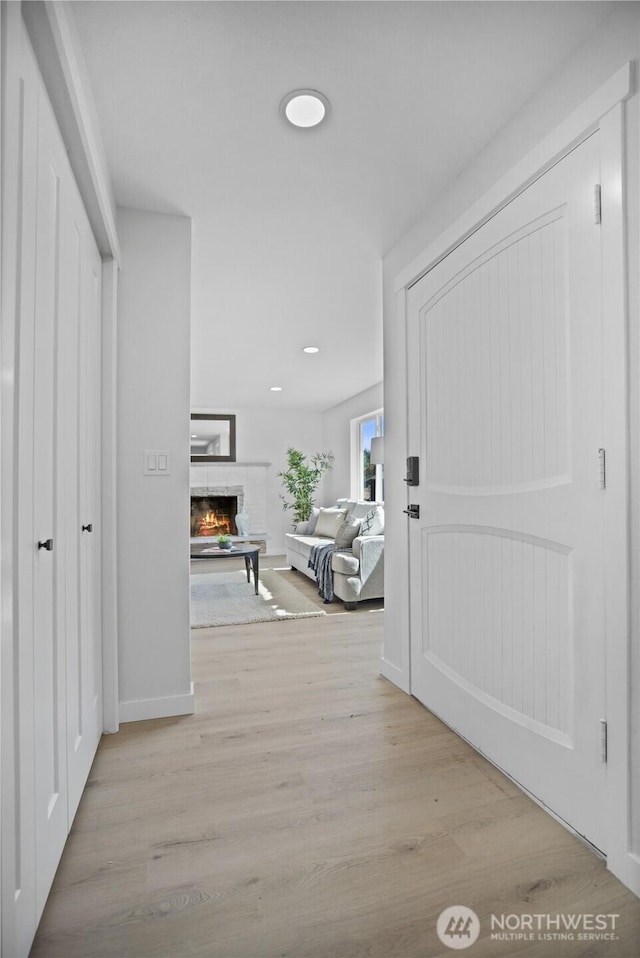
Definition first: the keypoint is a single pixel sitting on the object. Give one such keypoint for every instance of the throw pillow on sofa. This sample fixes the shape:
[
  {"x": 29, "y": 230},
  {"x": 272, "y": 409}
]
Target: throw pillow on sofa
[
  {"x": 347, "y": 533},
  {"x": 308, "y": 527},
  {"x": 329, "y": 521},
  {"x": 373, "y": 522},
  {"x": 312, "y": 521}
]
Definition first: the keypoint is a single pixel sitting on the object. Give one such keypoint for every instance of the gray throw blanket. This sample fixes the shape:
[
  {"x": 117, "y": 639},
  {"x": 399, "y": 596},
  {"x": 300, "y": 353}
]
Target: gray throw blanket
[{"x": 320, "y": 562}]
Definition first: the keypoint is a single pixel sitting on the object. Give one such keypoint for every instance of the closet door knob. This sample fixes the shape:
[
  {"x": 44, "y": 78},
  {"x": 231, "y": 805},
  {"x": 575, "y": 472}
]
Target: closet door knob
[
  {"x": 88, "y": 528},
  {"x": 47, "y": 544}
]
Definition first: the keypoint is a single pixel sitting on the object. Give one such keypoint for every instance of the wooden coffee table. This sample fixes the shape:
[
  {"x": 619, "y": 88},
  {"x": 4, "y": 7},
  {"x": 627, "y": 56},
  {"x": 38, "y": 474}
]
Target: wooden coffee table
[{"x": 243, "y": 550}]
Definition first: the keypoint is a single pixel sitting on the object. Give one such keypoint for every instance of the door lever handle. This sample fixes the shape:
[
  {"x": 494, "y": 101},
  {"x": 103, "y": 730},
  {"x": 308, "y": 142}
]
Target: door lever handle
[
  {"x": 413, "y": 511},
  {"x": 46, "y": 544},
  {"x": 88, "y": 528}
]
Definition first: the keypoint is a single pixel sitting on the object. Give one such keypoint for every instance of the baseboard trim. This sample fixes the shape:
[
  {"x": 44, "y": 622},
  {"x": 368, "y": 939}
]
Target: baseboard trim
[
  {"x": 394, "y": 674},
  {"x": 141, "y": 709},
  {"x": 626, "y": 867}
]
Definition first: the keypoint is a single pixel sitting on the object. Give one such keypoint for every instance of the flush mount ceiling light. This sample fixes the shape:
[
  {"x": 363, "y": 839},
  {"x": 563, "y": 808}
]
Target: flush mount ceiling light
[
  {"x": 275, "y": 389},
  {"x": 305, "y": 108},
  {"x": 311, "y": 349}
]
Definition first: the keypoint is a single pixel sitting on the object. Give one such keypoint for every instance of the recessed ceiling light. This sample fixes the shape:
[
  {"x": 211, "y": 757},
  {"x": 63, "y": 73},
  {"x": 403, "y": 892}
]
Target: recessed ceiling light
[
  {"x": 305, "y": 108},
  {"x": 311, "y": 349},
  {"x": 275, "y": 389},
  {"x": 193, "y": 436}
]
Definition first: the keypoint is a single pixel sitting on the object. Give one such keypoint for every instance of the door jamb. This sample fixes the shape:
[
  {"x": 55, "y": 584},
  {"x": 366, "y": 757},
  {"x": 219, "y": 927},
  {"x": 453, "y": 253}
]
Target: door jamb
[{"x": 616, "y": 506}]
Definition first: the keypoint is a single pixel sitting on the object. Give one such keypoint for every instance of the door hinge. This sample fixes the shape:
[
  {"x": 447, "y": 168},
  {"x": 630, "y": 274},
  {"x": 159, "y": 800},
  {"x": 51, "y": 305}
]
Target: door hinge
[
  {"x": 603, "y": 740},
  {"x": 602, "y": 468},
  {"x": 597, "y": 203}
]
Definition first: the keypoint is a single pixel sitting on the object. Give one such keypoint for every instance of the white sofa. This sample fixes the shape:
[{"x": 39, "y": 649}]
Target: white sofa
[{"x": 358, "y": 574}]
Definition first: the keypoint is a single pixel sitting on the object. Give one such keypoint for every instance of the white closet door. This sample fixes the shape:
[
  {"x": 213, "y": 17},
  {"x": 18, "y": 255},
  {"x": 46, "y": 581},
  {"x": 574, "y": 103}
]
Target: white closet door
[
  {"x": 67, "y": 426},
  {"x": 19, "y": 173},
  {"x": 84, "y": 668},
  {"x": 69, "y": 484},
  {"x": 51, "y": 659},
  {"x": 49, "y": 552}
]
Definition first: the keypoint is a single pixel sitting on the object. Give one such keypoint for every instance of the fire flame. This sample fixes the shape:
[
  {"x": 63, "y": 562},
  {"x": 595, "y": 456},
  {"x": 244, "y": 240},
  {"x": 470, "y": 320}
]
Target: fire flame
[{"x": 211, "y": 524}]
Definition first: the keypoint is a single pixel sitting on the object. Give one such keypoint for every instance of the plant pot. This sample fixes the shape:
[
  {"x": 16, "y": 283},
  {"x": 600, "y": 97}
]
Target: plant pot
[{"x": 225, "y": 545}]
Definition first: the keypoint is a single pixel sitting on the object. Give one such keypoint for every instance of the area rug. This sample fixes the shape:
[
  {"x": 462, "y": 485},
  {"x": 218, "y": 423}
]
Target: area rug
[{"x": 226, "y": 598}]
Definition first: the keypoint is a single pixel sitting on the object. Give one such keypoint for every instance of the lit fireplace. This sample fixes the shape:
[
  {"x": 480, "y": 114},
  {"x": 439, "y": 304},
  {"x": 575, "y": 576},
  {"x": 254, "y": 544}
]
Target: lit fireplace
[{"x": 213, "y": 515}]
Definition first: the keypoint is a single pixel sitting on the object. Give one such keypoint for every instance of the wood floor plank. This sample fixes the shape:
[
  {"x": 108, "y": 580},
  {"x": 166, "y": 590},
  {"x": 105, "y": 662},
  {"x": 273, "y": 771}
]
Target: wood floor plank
[{"x": 309, "y": 809}]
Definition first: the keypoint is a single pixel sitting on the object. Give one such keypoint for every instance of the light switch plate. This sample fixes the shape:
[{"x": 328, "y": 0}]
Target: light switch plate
[{"x": 157, "y": 462}]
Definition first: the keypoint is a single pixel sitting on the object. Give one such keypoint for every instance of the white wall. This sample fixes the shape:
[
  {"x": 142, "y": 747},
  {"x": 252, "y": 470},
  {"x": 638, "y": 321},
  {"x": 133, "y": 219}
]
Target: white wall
[
  {"x": 264, "y": 435},
  {"x": 153, "y": 512},
  {"x": 336, "y": 429},
  {"x": 617, "y": 42}
]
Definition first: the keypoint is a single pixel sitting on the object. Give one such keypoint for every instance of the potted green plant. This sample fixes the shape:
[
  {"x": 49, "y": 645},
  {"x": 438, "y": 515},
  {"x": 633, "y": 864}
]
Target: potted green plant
[
  {"x": 224, "y": 541},
  {"x": 301, "y": 479}
]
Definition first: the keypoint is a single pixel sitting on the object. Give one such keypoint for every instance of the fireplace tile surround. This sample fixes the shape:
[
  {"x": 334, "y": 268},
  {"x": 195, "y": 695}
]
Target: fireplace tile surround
[{"x": 245, "y": 480}]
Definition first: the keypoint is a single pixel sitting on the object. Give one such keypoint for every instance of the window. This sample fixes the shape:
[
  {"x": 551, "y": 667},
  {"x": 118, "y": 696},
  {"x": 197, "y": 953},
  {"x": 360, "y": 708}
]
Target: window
[{"x": 367, "y": 477}]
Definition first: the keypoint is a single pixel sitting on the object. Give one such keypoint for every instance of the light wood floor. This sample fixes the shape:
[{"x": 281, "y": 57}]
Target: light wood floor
[{"x": 309, "y": 810}]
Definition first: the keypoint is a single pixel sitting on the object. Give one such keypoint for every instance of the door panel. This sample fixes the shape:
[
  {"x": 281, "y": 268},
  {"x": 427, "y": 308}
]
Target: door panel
[
  {"x": 507, "y": 607},
  {"x": 495, "y": 354},
  {"x": 69, "y": 485},
  {"x": 49, "y": 572},
  {"x": 85, "y": 664},
  {"x": 51, "y": 273},
  {"x": 523, "y": 672},
  {"x": 19, "y": 115}
]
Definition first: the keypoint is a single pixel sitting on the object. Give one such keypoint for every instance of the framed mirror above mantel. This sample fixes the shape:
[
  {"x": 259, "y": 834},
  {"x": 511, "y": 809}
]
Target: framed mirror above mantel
[{"x": 213, "y": 437}]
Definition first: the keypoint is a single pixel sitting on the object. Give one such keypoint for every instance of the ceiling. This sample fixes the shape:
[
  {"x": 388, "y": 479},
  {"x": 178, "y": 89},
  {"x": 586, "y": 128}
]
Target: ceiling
[{"x": 289, "y": 226}]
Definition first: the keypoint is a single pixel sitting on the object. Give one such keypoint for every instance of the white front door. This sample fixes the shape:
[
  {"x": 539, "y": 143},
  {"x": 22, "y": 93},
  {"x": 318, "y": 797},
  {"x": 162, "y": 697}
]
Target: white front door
[{"x": 507, "y": 592}]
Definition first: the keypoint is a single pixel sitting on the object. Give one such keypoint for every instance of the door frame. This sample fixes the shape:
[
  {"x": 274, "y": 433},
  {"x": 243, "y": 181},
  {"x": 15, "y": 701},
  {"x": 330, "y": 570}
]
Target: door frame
[{"x": 603, "y": 111}]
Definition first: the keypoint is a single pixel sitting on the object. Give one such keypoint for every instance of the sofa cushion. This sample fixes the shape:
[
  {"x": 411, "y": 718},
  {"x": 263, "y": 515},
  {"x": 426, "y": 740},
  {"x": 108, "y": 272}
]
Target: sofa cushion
[
  {"x": 346, "y": 563},
  {"x": 307, "y": 528},
  {"x": 312, "y": 521},
  {"x": 347, "y": 533},
  {"x": 356, "y": 508},
  {"x": 329, "y": 521},
  {"x": 373, "y": 522},
  {"x": 302, "y": 545}
]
